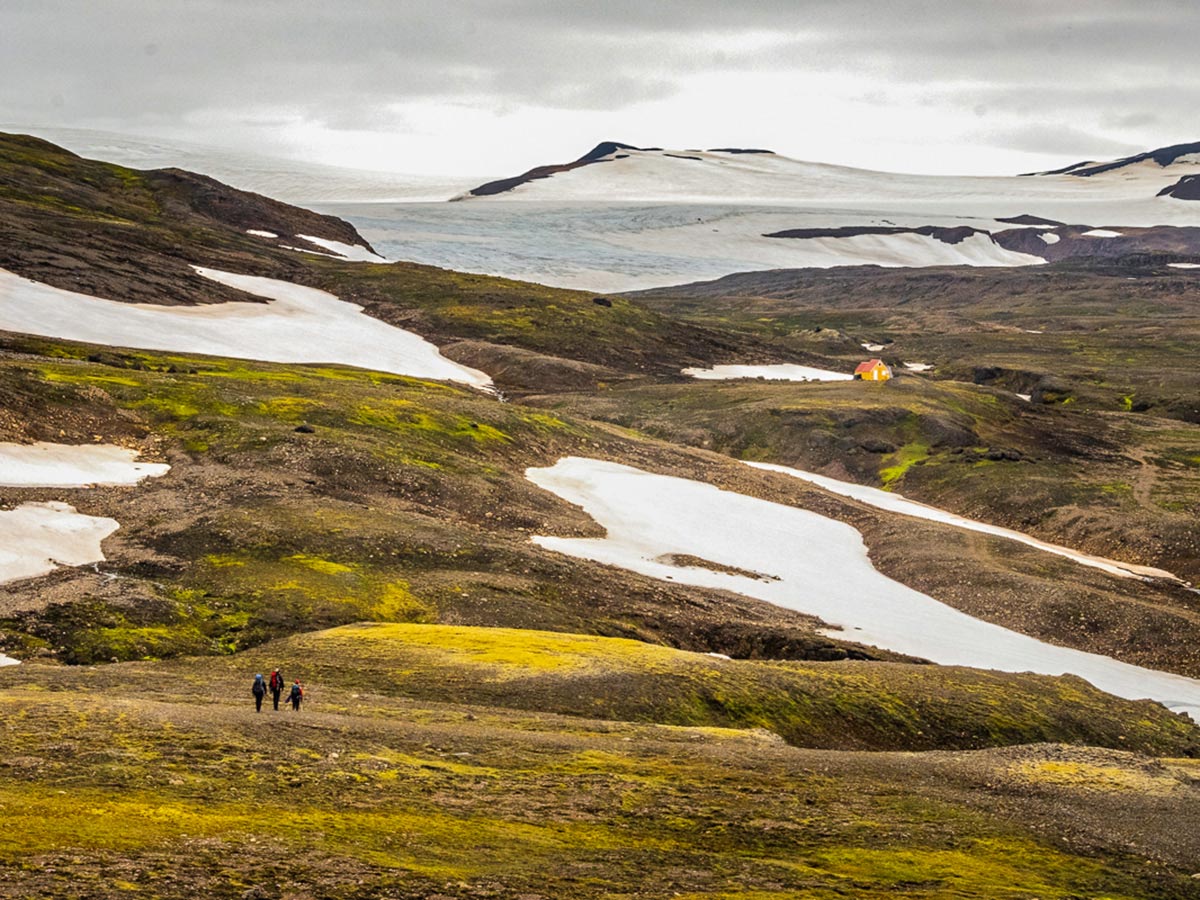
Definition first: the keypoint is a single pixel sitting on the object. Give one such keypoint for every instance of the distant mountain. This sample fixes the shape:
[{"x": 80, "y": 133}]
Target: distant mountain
[
  {"x": 1163, "y": 157},
  {"x": 616, "y": 171},
  {"x": 1186, "y": 188},
  {"x": 605, "y": 151}
]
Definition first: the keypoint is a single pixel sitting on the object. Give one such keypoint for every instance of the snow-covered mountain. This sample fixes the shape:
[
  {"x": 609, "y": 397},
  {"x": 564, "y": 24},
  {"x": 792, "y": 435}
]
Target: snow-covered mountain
[
  {"x": 1123, "y": 191},
  {"x": 1174, "y": 158},
  {"x": 621, "y": 217}
]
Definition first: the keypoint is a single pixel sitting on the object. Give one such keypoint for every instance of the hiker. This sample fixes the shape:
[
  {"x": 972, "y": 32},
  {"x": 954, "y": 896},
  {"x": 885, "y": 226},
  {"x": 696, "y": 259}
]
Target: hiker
[
  {"x": 259, "y": 690},
  {"x": 276, "y": 687},
  {"x": 296, "y": 695}
]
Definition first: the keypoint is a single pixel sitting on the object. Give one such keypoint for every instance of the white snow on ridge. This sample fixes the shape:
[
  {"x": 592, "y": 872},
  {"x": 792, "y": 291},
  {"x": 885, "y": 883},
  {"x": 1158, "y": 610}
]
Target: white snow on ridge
[
  {"x": 741, "y": 236},
  {"x": 258, "y": 232},
  {"x": 8, "y": 661},
  {"x": 351, "y": 252},
  {"x": 1184, "y": 265},
  {"x": 918, "y": 367},
  {"x": 64, "y": 465},
  {"x": 1101, "y": 233},
  {"x": 299, "y": 325},
  {"x": 703, "y": 177},
  {"x": 822, "y": 569},
  {"x": 1050, "y": 238},
  {"x": 780, "y": 372},
  {"x": 899, "y": 504},
  {"x": 40, "y": 537}
]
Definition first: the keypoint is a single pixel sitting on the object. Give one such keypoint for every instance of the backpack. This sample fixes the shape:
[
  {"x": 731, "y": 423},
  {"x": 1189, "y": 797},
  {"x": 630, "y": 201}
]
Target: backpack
[
  {"x": 297, "y": 691},
  {"x": 276, "y": 681},
  {"x": 259, "y": 687}
]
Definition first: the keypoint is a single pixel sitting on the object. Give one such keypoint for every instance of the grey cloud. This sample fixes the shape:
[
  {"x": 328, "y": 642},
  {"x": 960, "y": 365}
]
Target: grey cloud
[
  {"x": 1049, "y": 136},
  {"x": 1103, "y": 64}
]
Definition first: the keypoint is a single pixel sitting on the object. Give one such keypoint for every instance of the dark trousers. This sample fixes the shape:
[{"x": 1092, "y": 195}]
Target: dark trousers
[
  {"x": 295, "y": 704},
  {"x": 275, "y": 698},
  {"x": 258, "y": 702}
]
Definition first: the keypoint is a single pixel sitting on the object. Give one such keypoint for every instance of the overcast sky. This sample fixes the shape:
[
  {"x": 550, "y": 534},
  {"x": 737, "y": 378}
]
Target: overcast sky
[{"x": 495, "y": 86}]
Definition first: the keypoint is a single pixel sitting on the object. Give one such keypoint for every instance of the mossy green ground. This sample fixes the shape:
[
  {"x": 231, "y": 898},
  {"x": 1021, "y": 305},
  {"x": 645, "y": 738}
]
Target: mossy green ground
[
  {"x": 846, "y": 704},
  {"x": 385, "y": 784},
  {"x": 465, "y": 762}
]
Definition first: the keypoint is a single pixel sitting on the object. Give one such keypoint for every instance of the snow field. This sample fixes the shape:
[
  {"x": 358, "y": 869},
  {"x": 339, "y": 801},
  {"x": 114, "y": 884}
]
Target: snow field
[
  {"x": 351, "y": 252},
  {"x": 64, "y": 465},
  {"x": 40, "y": 537},
  {"x": 299, "y": 325},
  {"x": 822, "y": 568},
  {"x": 781, "y": 372},
  {"x": 899, "y": 504}
]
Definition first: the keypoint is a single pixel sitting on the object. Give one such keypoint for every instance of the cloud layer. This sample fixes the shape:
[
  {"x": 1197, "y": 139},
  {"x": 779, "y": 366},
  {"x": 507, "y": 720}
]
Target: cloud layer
[{"x": 1026, "y": 79}]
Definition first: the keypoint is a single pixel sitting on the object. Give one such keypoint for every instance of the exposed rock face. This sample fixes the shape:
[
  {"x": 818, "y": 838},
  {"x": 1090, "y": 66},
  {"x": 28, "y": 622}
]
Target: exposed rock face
[
  {"x": 1075, "y": 241},
  {"x": 597, "y": 154},
  {"x": 1186, "y": 188},
  {"x": 67, "y": 221},
  {"x": 1027, "y": 219},
  {"x": 945, "y": 235},
  {"x": 1164, "y": 156},
  {"x": 187, "y": 193}
]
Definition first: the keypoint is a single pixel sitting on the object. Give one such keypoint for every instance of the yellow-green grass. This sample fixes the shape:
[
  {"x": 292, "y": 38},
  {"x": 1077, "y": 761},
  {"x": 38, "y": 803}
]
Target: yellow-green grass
[
  {"x": 435, "y": 798},
  {"x": 835, "y": 704}
]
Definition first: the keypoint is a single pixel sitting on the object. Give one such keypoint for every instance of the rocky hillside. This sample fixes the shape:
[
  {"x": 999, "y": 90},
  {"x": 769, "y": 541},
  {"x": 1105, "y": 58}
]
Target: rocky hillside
[{"x": 486, "y": 716}]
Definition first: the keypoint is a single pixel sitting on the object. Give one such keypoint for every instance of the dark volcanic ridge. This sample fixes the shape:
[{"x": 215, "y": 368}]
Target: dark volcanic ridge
[
  {"x": 605, "y": 151},
  {"x": 66, "y": 221},
  {"x": 1164, "y": 156},
  {"x": 1186, "y": 188},
  {"x": 953, "y": 235},
  {"x": 1068, "y": 241},
  {"x": 1027, "y": 219}
]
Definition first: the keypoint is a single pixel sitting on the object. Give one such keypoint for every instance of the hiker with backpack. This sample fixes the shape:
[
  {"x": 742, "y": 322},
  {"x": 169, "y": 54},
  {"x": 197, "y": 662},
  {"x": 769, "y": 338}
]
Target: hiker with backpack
[
  {"x": 259, "y": 690},
  {"x": 296, "y": 695},
  {"x": 276, "y": 686}
]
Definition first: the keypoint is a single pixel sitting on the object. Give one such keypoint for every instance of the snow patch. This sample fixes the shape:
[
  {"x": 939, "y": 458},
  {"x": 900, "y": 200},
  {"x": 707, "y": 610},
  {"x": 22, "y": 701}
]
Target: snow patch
[
  {"x": 1101, "y": 233},
  {"x": 918, "y": 367},
  {"x": 782, "y": 372},
  {"x": 351, "y": 252},
  {"x": 299, "y": 325},
  {"x": 1050, "y": 238},
  {"x": 873, "y": 348},
  {"x": 40, "y": 537},
  {"x": 824, "y": 571},
  {"x": 65, "y": 465},
  {"x": 310, "y": 250},
  {"x": 899, "y": 504},
  {"x": 1028, "y": 398},
  {"x": 1184, "y": 265},
  {"x": 259, "y": 233}
]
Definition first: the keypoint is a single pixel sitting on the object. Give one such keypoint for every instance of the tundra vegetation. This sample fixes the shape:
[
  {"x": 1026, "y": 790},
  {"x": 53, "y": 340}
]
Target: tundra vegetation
[{"x": 485, "y": 718}]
